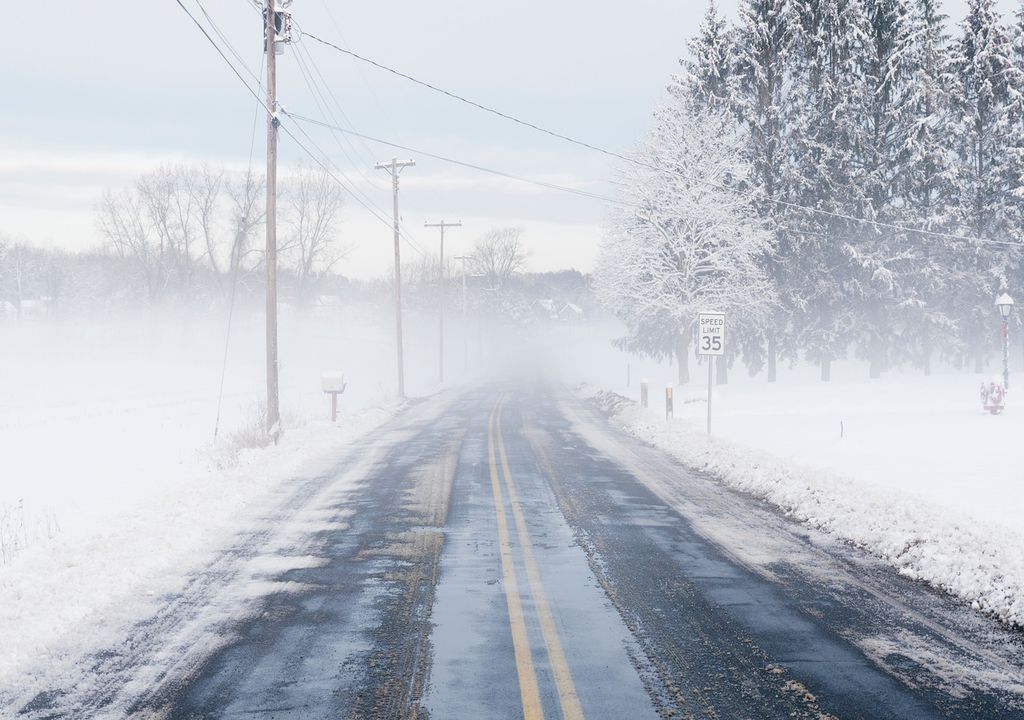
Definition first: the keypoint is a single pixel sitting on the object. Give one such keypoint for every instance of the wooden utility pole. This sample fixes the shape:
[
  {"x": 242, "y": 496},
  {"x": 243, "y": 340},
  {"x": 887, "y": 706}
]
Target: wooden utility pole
[
  {"x": 395, "y": 168},
  {"x": 270, "y": 38},
  {"x": 465, "y": 322},
  {"x": 440, "y": 357}
]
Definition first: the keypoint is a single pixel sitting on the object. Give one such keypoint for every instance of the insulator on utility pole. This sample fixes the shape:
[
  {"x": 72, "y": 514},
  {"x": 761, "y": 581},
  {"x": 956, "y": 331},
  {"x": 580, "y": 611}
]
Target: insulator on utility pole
[{"x": 395, "y": 168}]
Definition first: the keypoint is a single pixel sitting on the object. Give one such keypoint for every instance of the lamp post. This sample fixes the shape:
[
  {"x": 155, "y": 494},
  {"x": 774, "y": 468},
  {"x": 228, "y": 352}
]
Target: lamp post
[{"x": 1004, "y": 303}]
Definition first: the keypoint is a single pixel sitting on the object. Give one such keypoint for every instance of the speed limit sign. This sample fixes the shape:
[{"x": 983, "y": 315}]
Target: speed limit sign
[{"x": 711, "y": 333}]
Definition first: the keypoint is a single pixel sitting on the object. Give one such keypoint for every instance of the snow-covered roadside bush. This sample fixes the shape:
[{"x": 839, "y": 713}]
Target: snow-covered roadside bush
[{"x": 983, "y": 565}]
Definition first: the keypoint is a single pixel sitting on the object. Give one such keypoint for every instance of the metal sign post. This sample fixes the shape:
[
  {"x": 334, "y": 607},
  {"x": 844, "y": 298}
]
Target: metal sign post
[{"x": 710, "y": 343}]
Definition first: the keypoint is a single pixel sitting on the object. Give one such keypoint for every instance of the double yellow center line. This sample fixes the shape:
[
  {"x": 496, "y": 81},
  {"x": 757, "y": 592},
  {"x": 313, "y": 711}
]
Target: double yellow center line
[{"x": 528, "y": 688}]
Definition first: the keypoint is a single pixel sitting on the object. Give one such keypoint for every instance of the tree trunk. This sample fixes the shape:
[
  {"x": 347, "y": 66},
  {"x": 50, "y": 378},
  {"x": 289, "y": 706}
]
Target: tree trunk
[
  {"x": 721, "y": 371},
  {"x": 979, "y": 362},
  {"x": 683, "y": 356},
  {"x": 877, "y": 362},
  {"x": 826, "y": 369},
  {"x": 926, "y": 352},
  {"x": 773, "y": 358}
]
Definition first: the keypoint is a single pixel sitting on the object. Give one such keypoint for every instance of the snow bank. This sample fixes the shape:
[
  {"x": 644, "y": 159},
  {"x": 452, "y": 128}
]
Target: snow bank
[
  {"x": 111, "y": 487},
  {"x": 69, "y": 595},
  {"x": 980, "y": 563}
]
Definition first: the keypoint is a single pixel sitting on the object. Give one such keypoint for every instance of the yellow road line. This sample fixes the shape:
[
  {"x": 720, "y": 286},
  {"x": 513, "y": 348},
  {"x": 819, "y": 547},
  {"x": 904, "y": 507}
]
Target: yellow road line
[
  {"x": 567, "y": 696},
  {"x": 528, "y": 692}
]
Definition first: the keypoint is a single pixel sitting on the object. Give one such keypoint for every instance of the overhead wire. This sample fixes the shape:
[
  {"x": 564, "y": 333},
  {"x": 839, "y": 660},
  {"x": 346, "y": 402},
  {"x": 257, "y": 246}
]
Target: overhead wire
[
  {"x": 463, "y": 163},
  {"x": 326, "y": 165},
  {"x": 224, "y": 39},
  {"x": 310, "y": 73},
  {"x": 344, "y": 185},
  {"x": 235, "y": 258},
  {"x": 287, "y": 131},
  {"x": 346, "y": 121},
  {"x": 362, "y": 76},
  {"x": 574, "y": 141},
  {"x": 636, "y": 161}
]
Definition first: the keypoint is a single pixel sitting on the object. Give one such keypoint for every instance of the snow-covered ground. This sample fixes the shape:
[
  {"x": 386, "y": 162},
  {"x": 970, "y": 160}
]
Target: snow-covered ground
[
  {"x": 112, "y": 487},
  {"x": 909, "y": 468}
]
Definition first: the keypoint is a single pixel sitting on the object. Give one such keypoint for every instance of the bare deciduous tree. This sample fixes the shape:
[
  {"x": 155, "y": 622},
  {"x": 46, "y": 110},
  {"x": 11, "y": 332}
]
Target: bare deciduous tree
[
  {"x": 245, "y": 200},
  {"x": 313, "y": 204},
  {"x": 179, "y": 221},
  {"x": 205, "y": 186},
  {"x": 498, "y": 255},
  {"x": 123, "y": 222}
]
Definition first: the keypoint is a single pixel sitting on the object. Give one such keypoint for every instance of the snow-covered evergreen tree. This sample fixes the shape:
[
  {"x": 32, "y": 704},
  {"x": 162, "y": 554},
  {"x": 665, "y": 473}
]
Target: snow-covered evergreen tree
[
  {"x": 880, "y": 254},
  {"x": 823, "y": 112},
  {"x": 707, "y": 77},
  {"x": 927, "y": 177},
  {"x": 686, "y": 239},
  {"x": 981, "y": 70},
  {"x": 1014, "y": 167},
  {"x": 762, "y": 44}
]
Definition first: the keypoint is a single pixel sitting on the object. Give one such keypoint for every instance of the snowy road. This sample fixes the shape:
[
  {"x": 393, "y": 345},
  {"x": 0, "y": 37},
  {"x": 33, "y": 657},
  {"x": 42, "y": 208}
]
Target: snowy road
[{"x": 506, "y": 553}]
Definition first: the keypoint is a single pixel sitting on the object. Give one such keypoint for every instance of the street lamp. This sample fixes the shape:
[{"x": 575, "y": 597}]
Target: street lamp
[{"x": 1004, "y": 303}]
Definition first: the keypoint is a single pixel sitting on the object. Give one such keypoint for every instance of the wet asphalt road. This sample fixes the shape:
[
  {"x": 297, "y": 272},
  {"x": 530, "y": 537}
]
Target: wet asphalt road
[{"x": 507, "y": 554}]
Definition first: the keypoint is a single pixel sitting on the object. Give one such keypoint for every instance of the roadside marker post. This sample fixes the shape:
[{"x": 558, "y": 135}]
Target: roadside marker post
[
  {"x": 669, "y": 412},
  {"x": 643, "y": 393},
  {"x": 710, "y": 344}
]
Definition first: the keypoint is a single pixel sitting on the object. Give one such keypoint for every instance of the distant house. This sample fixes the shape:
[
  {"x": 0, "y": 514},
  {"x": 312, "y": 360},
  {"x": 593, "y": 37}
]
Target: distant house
[
  {"x": 546, "y": 309},
  {"x": 570, "y": 312},
  {"x": 329, "y": 301}
]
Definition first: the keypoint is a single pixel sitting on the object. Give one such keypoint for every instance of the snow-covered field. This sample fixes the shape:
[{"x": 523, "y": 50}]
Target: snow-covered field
[
  {"x": 909, "y": 468},
  {"x": 112, "y": 486}
]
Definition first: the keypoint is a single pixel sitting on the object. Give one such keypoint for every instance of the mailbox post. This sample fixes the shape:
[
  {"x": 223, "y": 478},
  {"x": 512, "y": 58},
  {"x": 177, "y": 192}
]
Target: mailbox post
[{"x": 333, "y": 384}]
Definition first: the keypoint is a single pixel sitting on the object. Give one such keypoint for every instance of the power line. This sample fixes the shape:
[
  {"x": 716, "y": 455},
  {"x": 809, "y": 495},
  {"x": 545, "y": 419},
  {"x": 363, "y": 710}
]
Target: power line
[
  {"x": 231, "y": 49},
  {"x": 327, "y": 169},
  {"x": 574, "y": 141},
  {"x": 220, "y": 52},
  {"x": 641, "y": 163},
  {"x": 349, "y": 187},
  {"x": 467, "y": 101},
  {"x": 311, "y": 74},
  {"x": 462, "y": 163},
  {"x": 301, "y": 145}
]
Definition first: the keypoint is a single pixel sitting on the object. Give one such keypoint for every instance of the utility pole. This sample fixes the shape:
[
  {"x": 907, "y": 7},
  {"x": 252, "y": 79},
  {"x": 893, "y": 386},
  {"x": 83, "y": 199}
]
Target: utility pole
[
  {"x": 465, "y": 322},
  {"x": 275, "y": 30},
  {"x": 395, "y": 168},
  {"x": 440, "y": 357}
]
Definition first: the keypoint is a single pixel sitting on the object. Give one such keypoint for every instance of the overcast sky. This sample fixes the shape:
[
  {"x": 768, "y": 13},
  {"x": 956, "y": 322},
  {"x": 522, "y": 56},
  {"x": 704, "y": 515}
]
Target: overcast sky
[{"x": 97, "y": 94}]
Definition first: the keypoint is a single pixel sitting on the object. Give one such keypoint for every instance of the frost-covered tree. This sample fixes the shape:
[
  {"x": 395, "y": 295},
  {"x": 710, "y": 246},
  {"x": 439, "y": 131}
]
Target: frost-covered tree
[
  {"x": 686, "y": 237},
  {"x": 1013, "y": 171},
  {"x": 927, "y": 179},
  {"x": 881, "y": 261},
  {"x": 707, "y": 76},
  {"x": 981, "y": 70},
  {"x": 823, "y": 111},
  {"x": 761, "y": 50}
]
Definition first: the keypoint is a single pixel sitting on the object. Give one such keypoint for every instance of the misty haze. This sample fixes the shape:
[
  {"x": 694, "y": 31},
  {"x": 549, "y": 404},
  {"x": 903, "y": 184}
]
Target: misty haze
[{"x": 454, "y": 361}]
